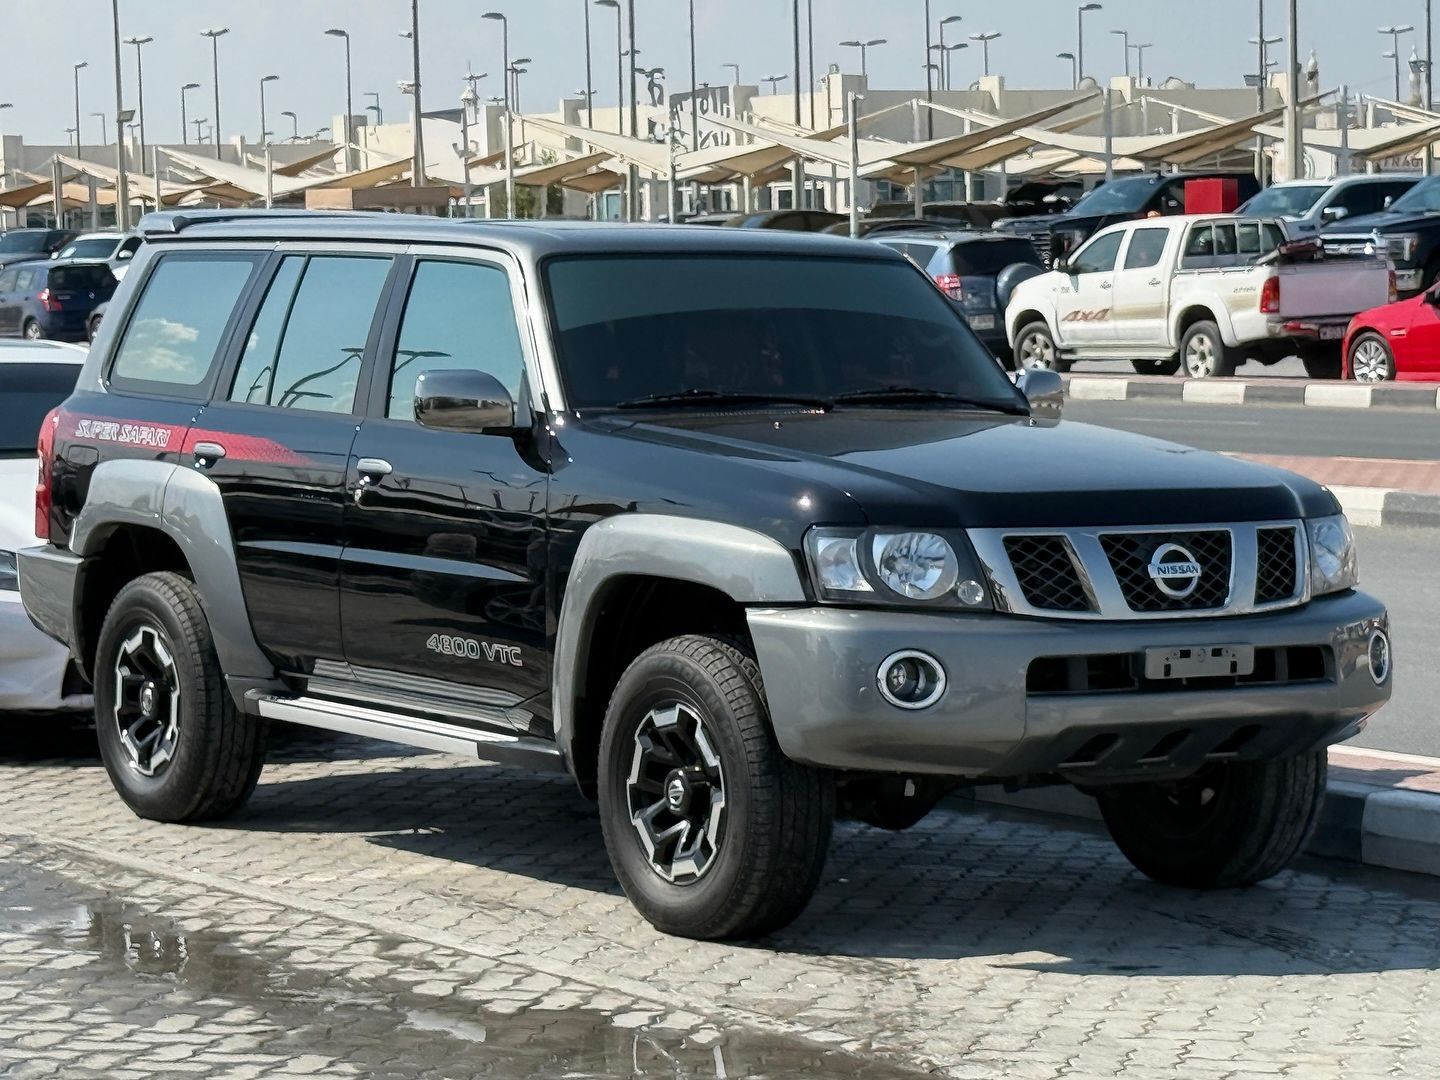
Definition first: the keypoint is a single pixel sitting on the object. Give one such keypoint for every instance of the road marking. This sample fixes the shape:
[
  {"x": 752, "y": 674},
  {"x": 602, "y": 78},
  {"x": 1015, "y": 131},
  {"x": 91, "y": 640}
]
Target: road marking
[
  {"x": 1098, "y": 389},
  {"x": 1337, "y": 396},
  {"x": 1214, "y": 393}
]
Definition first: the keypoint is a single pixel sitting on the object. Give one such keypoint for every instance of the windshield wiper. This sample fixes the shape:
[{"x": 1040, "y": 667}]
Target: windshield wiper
[
  {"x": 705, "y": 396},
  {"x": 885, "y": 395}
]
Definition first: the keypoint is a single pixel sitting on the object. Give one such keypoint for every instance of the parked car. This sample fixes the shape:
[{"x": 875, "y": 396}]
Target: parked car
[
  {"x": 36, "y": 675},
  {"x": 874, "y": 226},
  {"x": 776, "y": 540},
  {"x": 791, "y": 220},
  {"x": 1307, "y": 206},
  {"x": 23, "y": 245},
  {"x": 92, "y": 325},
  {"x": 114, "y": 249},
  {"x": 1396, "y": 341},
  {"x": 1408, "y": 230},
  {"x": 52, "y": 299},
  {"x": 1125, "y": 199},
  {"x": 960, "y": 215},
  {"x": 1193, "y": 294},
  {"x": 977, "y": 270}
]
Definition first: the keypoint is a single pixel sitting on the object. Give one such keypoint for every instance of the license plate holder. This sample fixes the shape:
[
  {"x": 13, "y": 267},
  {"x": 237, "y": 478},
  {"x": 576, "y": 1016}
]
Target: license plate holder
[
  {"x": 1199, "y": 661},
  {"x": 982, "y": 322},
  {"x": 1332, "y": 333}
]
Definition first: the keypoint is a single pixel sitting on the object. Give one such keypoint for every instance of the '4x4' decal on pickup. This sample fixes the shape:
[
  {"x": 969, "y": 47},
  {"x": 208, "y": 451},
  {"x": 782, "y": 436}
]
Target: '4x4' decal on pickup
[{"x": 1098, "y": 315}]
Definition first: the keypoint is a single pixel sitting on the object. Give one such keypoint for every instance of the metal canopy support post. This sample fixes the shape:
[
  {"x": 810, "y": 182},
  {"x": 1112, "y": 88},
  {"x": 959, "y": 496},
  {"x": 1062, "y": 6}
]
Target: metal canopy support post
[
  {"x": 155, "y": 157},
  {"x": 1294, "y": 152},
  {"x": 1109, "y": 138},
  {"x": 1342, "y": 121},
  {"x": 122, "y": 181},
  {"x": 632, "y": 172},
  {"x": 417, "y": 162},
  {"x": 57, "y": 192},
  {"x": 1429, "y": 84},
  {"x": 854, "y": 100},
  {"x": 269, "y": 178}
]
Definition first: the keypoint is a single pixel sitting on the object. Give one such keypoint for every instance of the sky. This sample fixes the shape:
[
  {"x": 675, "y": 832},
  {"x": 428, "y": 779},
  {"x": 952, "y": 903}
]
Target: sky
[{"x": 1202, "y": 41}]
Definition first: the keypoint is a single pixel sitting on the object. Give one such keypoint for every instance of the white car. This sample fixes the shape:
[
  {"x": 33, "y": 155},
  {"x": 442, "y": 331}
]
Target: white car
[
  {"x": 112, "y": 248},
  {"x": 35, "y": 672}
]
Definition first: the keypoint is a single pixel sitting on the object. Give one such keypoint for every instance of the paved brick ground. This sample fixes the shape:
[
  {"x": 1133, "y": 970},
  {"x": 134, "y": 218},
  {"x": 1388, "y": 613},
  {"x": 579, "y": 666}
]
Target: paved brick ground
[{"x": 395, "y": 895}]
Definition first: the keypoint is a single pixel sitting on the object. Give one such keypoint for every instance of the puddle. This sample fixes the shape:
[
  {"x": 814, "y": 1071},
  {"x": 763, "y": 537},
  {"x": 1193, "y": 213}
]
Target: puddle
[{"x": 108, "y": 955}]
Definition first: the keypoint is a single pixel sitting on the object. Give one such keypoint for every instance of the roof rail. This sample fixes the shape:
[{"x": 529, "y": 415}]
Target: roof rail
[{"x": 170, "y": 222}]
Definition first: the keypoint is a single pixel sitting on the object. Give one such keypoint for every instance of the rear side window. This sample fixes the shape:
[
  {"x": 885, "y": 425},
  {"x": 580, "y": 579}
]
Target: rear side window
[
  {"x": 81, "y": 277},
  {"x": 1146, "y": 248},
  {"x": 175, "y": 332},
  {"x": 8, "y": 279},
  {"x": 992, "y": 256},
  {"x": 27, "y": 393},
  {"x": 25, "y": 280}
]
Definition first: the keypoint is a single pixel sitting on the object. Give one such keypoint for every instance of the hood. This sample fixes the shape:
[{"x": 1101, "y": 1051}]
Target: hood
[
  {"x": 1385, "y": 220},
  {"x": 9, "y": 258},
  {"x": 17, "y": 503},
  {"x": 942, "y": 469}
]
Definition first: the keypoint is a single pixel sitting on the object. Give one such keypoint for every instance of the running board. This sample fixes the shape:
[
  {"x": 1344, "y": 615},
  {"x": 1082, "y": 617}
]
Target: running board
[
  {"x": 522, "y": 750},
  {"x": 1119, "y": 352}
]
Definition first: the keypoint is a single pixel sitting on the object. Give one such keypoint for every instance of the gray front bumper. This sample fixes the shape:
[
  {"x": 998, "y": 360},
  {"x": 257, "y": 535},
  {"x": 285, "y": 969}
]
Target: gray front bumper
[
  {"x": 820, "y": 666},
  {"x": 47, "y": 589}
]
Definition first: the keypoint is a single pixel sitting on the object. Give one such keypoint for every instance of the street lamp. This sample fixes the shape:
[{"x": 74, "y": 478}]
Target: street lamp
[
  {"x": 864, "y": 47},
  {"x": 496, "y": 16},
  {"x": 1074, "y": 66},
  {"x": 1140, "y": 60},
  {"x": 467, "y": 104},
  {"x": 375, "y": 108},
  {"x": 265, "y": 132},
  {"x": 619, "y": 62},
  {"x": 77, "y": 67},
  {"x": 945, "y": 51},
  {"x": 122, "y": 117},
  {"x": 515, "y": 72},
  {"x": 140, "y": 89},
  {"x": 294, "y": 124},
  {"x": 349, "y": 102},
  {"x": 1394, "y": 53},
  {"x": 184, "y": 123},
  {"x": 1080, "y": 39},
  {"x": 985, "y": 40},
  {"x": 950, "y": 51},
  {"x": 1124, "y": 35},
  {"x": 589, "y": 94},
  {"x": 215, "y": 34},
  {"x": 774, "y": 81},
  {"x": 101, "y": 117},
  {"x": 417, "y": 153}
]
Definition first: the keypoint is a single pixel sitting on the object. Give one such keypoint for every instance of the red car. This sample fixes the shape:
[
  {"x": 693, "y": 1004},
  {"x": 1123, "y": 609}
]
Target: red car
[{"x": 1397, "y": 341}]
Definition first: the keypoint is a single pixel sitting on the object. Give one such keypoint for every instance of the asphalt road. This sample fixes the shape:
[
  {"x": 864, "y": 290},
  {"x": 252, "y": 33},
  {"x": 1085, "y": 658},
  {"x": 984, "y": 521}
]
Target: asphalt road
[{"x": 1274, "y": 429}]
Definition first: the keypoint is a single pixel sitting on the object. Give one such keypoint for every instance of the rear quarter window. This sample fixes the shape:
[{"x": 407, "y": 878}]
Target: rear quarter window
[
  {"x": 81, "y": 277},
  {"x": 173, "y": 336},
  {"x": 991, "y": 256}
]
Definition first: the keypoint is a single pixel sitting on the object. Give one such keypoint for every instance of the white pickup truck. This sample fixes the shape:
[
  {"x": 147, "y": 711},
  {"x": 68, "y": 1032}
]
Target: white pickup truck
[{"x": 1199, "y": 293}]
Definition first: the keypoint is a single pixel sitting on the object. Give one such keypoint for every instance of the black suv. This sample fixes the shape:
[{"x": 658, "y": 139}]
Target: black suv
[
  {"x": 1408, "y": 230},
  {"x": 739, "y": 529}
]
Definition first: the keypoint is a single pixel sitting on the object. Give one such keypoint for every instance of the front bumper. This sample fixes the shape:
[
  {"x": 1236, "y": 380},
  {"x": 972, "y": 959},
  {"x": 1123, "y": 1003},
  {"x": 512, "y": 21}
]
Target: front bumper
[
  {"x": 820, "y": 666},
  {"x": 33, "y": 668}
]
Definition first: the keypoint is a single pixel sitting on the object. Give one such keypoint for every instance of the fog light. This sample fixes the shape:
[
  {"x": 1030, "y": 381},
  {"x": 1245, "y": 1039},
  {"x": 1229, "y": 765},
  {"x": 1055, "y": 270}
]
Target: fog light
[
  {"x": 910, "y": 679},
  {"x": 971, "y": 593},
  {"x": 1379, "y": 656}
]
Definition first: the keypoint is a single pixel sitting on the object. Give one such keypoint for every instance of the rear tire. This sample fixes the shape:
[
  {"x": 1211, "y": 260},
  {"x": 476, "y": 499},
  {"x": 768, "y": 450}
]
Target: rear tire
[
  {"x": 1156, "y": 367},
  {"x": 1371, "y": 359},
  {"x": 1035, "y": 348},
  {"x": 184, "y": 752},
  {"x": 32, "y": 331},
  {"x": 1203, "y": 352},
  {"x": 1231, "y": 824},
  {"x": 1322, "y": 362},
  {"x": 691, "y": 712}
]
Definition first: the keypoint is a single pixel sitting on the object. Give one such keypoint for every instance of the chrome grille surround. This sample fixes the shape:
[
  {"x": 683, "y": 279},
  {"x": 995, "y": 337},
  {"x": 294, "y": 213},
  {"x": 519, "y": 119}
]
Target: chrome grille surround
[{"x": 1246, "y": 574}]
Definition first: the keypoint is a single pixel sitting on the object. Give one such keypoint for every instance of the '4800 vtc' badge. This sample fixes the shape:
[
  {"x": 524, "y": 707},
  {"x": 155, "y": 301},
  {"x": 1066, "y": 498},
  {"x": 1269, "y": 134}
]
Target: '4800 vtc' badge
[{"x": 470, "y": 649}]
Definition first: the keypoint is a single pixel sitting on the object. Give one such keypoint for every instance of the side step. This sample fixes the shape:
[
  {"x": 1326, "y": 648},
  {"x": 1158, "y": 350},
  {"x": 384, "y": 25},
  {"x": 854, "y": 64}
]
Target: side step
[{"x": 505, "y": 749}]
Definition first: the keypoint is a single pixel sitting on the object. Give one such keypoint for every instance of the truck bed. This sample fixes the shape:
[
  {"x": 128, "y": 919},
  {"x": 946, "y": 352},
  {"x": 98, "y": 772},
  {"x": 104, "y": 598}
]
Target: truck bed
[{"x": 1333, "y": 287}]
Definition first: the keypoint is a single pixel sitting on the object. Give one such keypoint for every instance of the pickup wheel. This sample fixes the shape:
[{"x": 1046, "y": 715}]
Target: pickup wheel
[
  {"x": 174, "y": 744},
  {"x": 1371, "y": 359},
  {"x": 1203, "y": 352},
  {"x": 1035, "y": 348},
  {"x": 1321, "y": 361},
  {"x": 1156, "y": 367},
  {"x": 1230, "y": 824},
  {"x": 712, "y": 831}
]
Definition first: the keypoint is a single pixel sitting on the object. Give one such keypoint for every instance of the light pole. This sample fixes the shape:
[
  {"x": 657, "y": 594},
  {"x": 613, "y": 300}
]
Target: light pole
[
  {"x": 589, "y": 70},
  {"x": 467, "y": 103},
  {"x": 1429, "y": 83},
  {"x": 985, "y": 40},
  {"x": 1293, "y": 150},
  {"x": 1080, "y": 39},
  {"x": 265, "y": 132},
  {"x": 1074, "y": 66},
  {"x": 774, "y": 81},
  {"x": 101, "y": 117},
  {"x": 496, "y": 16},
  {"x": 77, "y": 67},
  {"x": 1125, "y": 40},
  {"x": 950, "y": 51},
  {"x": 945, "y": 51},
  {"x": 140, "y": 89},
  {"x": 515, "y": 72},
  {"x": 694, "y": 87},
  {"x": 294, "y": 124},
  {"x": 632, "y": 173},
  {"x": 417, "y": 168},
  {"x": 122, "y": 117},
  {"x": 375, "y": 108},
  {"x": 184, "y": 123},
  {"x": 864, "y": 47},
  {"x": 1394, "y": 54},
  {"x": 215, "y": 35},
  {"x": 1140, "y": 60},
  {"x": 349, "y": 102},
  {"x": 929, "y": 87},
  {"x": 199, "y": 124},
  {"x": 619, "y": 62},
  {"x": 810, "y": 56},
  {"x": 734, "y": 72}
]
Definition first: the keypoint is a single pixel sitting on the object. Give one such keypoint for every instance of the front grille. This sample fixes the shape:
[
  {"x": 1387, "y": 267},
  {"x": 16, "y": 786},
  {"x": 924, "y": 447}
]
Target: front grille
[
  {"x": 1047, "y": 573},
  {"x": 1276, "y": 565},
  {"x": 1130, "y": 555}
]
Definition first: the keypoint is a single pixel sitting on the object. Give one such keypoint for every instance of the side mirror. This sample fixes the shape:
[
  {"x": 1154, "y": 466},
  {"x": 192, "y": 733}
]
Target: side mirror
[
  {"x": 124, "y": 253},
  {"x": 1044, "y": 389},
  {"x": 1335, "y": 213},
  {"x": 1061, "y": 265},
  {"x": 474, "y": 402},
  {"x": 1388, "y": 200}
]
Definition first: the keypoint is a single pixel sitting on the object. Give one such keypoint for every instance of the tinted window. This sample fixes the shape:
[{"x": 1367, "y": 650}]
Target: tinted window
[
  {"x": 1359, "y": 199},
  {"x": 181, "y": 316},
  {"x": 1146, "y": 247},
  {"x": 815, "y": 327},
  {"x": 458, "y": 315},
  {"x": 1286, "y": 200},
  {"x": 992, "y": 256},
  {"x": 323, "y": 339},
  {"x": 256, "y": 374},
  {"x": 7, "y": 280},
  {"x": 24, "y": 240},
  {"x": 97, "y": 248},
  {"x": 27, "y": 393},
  {"x": 1119, "y": 196},
  {"x": 1274, "y": 236},
  {"x": 94, "y": 276},
  {"x": 1201, "y": 242},
  {"x": 1225, "y": 240},
  {"x": 24, "y": 280},
  {"x": 1099, "y": 255},
  {"x": 1248, "y": 234},
  {"x": 919, "y": 254}
]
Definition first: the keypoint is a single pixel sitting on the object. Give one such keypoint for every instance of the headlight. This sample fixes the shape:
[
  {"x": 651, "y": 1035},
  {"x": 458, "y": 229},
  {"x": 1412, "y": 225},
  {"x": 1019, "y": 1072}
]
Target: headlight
[
  {"x": 1401, "y": 247},
  {"x": 9, "y": 572},
  {"x": 881, "y": 566},
  {"x": 1333, "y": 565}
]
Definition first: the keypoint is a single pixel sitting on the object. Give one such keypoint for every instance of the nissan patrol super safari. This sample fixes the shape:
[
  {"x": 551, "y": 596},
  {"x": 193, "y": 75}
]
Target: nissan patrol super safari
[{"x": 741, "y": 530}]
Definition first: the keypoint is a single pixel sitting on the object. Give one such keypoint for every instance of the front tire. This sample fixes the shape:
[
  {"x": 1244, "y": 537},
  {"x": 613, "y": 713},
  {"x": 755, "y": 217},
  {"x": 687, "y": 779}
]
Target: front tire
[
  {"x": 32, "y": 331},
  {"x": 713, "y": 833},
  {"x": 1035, "y": 348},
  {"x": 1203, "y": 353},
  {"x": 174, "y": 744},
  {"x": 1371, "y": 359},
  {"x": 1228, "y": 825}
]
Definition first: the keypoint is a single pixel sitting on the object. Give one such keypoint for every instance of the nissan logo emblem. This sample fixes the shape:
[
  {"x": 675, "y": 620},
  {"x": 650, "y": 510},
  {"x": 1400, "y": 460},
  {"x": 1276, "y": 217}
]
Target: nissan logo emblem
[{"x": 1174, "y": 571}]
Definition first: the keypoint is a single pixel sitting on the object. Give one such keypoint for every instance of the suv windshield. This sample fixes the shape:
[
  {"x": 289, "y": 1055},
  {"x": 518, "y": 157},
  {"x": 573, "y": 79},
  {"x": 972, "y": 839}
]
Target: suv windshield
[
  {"x": 98, "y": 248},
  {"x": 1423, "y": 197},
  {"x": 23, "y": 240},
  {"x": 1289, "y": 201},
  {"x": 1118, "y": 197},
  {"x": 27, "y": 393},
  {"x": 762, "y": 328}
]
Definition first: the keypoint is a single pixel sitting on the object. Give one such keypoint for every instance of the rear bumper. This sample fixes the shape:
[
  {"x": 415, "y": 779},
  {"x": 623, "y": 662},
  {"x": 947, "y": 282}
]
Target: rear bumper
[
  {"x": 32, "y": 667},
  {"x": 821, "y": 666},
  {"x": 47, "y": 587},
  {"x": 1320, "y": 328}
]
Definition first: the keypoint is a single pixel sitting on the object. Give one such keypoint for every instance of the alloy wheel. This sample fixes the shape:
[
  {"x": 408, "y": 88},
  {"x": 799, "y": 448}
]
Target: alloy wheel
[
  {"x": 676, "y": 793},
  {"x": 1200, "y": 357},
  {"x": 1369, "y": 362},
  {"x": 147, "y": 701},
  {"x": 32, "y": 331},
  {"x": 1037, "y": 351}
]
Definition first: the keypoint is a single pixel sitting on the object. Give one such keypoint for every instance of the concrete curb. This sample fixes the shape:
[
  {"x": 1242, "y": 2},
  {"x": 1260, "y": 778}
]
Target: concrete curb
[
  {"x": 1324, "y": 395},
  {"x": 1376, "y": 825},
  {"x": 1374, "y": 507}
]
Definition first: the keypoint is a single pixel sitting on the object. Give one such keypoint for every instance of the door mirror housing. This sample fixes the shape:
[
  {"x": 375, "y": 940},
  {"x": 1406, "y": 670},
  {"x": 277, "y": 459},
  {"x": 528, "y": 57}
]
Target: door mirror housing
[
  {"x": 124, "y": 253},
  {"x": 1044, "y": 390},
  {"x": 474, "y": 402},
  {"x": 1335, "y": 213},
  {"x": 1061, "y": 265}
]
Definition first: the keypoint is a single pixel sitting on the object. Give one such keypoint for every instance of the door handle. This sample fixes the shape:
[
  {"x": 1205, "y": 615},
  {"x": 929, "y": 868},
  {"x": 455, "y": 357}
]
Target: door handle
[
  {"x": 207, "y": 453},
  {"x": 372, "y": 471}
]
